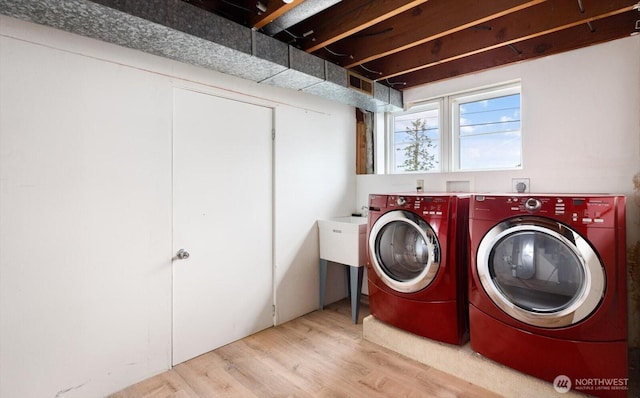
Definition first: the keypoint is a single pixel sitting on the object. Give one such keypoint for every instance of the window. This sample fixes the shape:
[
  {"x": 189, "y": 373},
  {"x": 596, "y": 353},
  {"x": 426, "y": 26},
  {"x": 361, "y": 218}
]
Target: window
[
  {"x": 486, "y": 127},
  {"x": 478, "y": 130},
  {"x": 416, "y": 140}
]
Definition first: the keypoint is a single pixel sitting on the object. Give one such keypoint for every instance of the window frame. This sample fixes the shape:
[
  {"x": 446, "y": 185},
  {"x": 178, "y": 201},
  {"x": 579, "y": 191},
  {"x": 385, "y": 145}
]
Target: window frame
[{"x": 449, "y": 127}]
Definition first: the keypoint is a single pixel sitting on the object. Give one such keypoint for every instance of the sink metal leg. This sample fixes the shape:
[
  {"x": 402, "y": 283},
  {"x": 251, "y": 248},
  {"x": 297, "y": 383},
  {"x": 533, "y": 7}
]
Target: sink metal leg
[
  {"x": 355, "y": 282},
  {"x": 347, "y": 269},
  {"x": 354, "y": 285},
  {"x": 323, "y": 280}
]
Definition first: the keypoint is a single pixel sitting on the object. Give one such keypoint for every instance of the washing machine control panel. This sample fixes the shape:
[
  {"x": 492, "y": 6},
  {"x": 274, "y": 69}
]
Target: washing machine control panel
[
  {"x": 532, "y": 204},
  {"x": 431, "y": 206},
  {"x": 596, "y": 211}
]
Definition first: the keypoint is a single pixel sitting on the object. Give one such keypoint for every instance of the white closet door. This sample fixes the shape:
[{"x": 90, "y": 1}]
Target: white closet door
[{"x": 222, "y": 193}]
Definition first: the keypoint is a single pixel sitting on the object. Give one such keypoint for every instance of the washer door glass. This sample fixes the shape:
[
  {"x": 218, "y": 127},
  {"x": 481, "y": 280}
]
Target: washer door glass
[
  {"x": 405, "y": 251},
  {"x": 540, "y": 272}
]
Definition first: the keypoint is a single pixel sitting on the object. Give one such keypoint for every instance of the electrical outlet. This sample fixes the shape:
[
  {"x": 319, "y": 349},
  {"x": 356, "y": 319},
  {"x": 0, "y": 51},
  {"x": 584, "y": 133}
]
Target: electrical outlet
[
  {"x": 520, "y": 185},
  {"x": 420, "y": 186}
]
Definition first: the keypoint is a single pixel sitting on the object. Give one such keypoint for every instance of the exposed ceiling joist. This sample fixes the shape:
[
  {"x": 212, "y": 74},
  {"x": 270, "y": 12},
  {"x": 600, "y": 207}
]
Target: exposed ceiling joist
[
  {"x": 540, "y": 20},
  {"x": 350, "y": 17},
  {"x": 430, "y": 21},
  {"x": 273, "y": 10},
  {"x": 578, "y": 36}
]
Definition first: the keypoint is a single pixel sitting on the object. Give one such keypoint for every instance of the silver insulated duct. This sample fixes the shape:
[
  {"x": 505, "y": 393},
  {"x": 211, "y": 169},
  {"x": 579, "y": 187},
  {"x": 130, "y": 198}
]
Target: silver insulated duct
[{"x": 178, "y": 30}]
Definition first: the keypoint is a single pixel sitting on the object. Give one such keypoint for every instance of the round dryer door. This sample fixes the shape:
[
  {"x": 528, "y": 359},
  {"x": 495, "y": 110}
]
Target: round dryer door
[
  {"x": 540, "y": 272},
  {"x": 404, "y": 251}
]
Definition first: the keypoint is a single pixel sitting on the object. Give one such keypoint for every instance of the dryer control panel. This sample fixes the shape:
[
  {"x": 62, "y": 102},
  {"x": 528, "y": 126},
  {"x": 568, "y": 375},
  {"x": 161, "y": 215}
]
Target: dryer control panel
[{"x": 596, "y": 211}]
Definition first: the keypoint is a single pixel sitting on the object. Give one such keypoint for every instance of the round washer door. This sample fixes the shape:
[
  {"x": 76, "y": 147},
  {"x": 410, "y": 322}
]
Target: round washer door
[
  {"x": 404, "y": 251},
  {"x": 540, "y": 272}
]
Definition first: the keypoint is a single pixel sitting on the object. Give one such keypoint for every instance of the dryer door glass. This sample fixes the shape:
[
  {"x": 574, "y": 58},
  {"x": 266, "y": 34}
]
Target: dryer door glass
[
  {"x": 536, "y": 271},
  {"x": 540, "y": 272},
  {"x": 407, "y": 252}
]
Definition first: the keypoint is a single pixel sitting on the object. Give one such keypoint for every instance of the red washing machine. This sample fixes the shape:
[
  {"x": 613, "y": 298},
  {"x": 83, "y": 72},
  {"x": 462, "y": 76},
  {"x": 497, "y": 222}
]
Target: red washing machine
[
  {"x": 547, "y": 290},
  {"x": 418, "y": 263}
]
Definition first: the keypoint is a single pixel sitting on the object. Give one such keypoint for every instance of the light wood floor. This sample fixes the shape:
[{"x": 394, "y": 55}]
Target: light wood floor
[{"x": 321, "y": 354}]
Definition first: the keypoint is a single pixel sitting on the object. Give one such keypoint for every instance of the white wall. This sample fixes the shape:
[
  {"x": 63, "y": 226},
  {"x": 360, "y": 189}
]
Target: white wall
[
  {"x": 581, "y": 133},
  {"x": 315, "y": 178},
  {"x": 85, "y": 206}
]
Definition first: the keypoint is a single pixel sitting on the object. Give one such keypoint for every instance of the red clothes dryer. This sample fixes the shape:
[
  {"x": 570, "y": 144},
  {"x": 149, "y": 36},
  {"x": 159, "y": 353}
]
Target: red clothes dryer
[
  {"x": 547, "y": 289},
  {"x": 417, "y": 263}
]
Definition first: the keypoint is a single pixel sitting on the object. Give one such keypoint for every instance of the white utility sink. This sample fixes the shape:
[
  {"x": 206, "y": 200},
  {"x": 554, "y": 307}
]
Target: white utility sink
[{"x": 342, "y": 240}]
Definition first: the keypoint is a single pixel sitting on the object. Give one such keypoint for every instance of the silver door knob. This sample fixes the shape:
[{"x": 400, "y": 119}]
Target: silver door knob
[{"x": 182, "y": 254}]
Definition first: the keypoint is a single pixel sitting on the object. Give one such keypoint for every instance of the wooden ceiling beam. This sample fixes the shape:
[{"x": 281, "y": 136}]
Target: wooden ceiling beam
[
  {"x": 275, "y": 9},
  {"x": 540, "y": 20},
  {"x": 429, "y": 21},
  {"x": 349, "y": 17},
  {"x": 606, "y": 29},
  {"x": 343, "y": 19}
]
